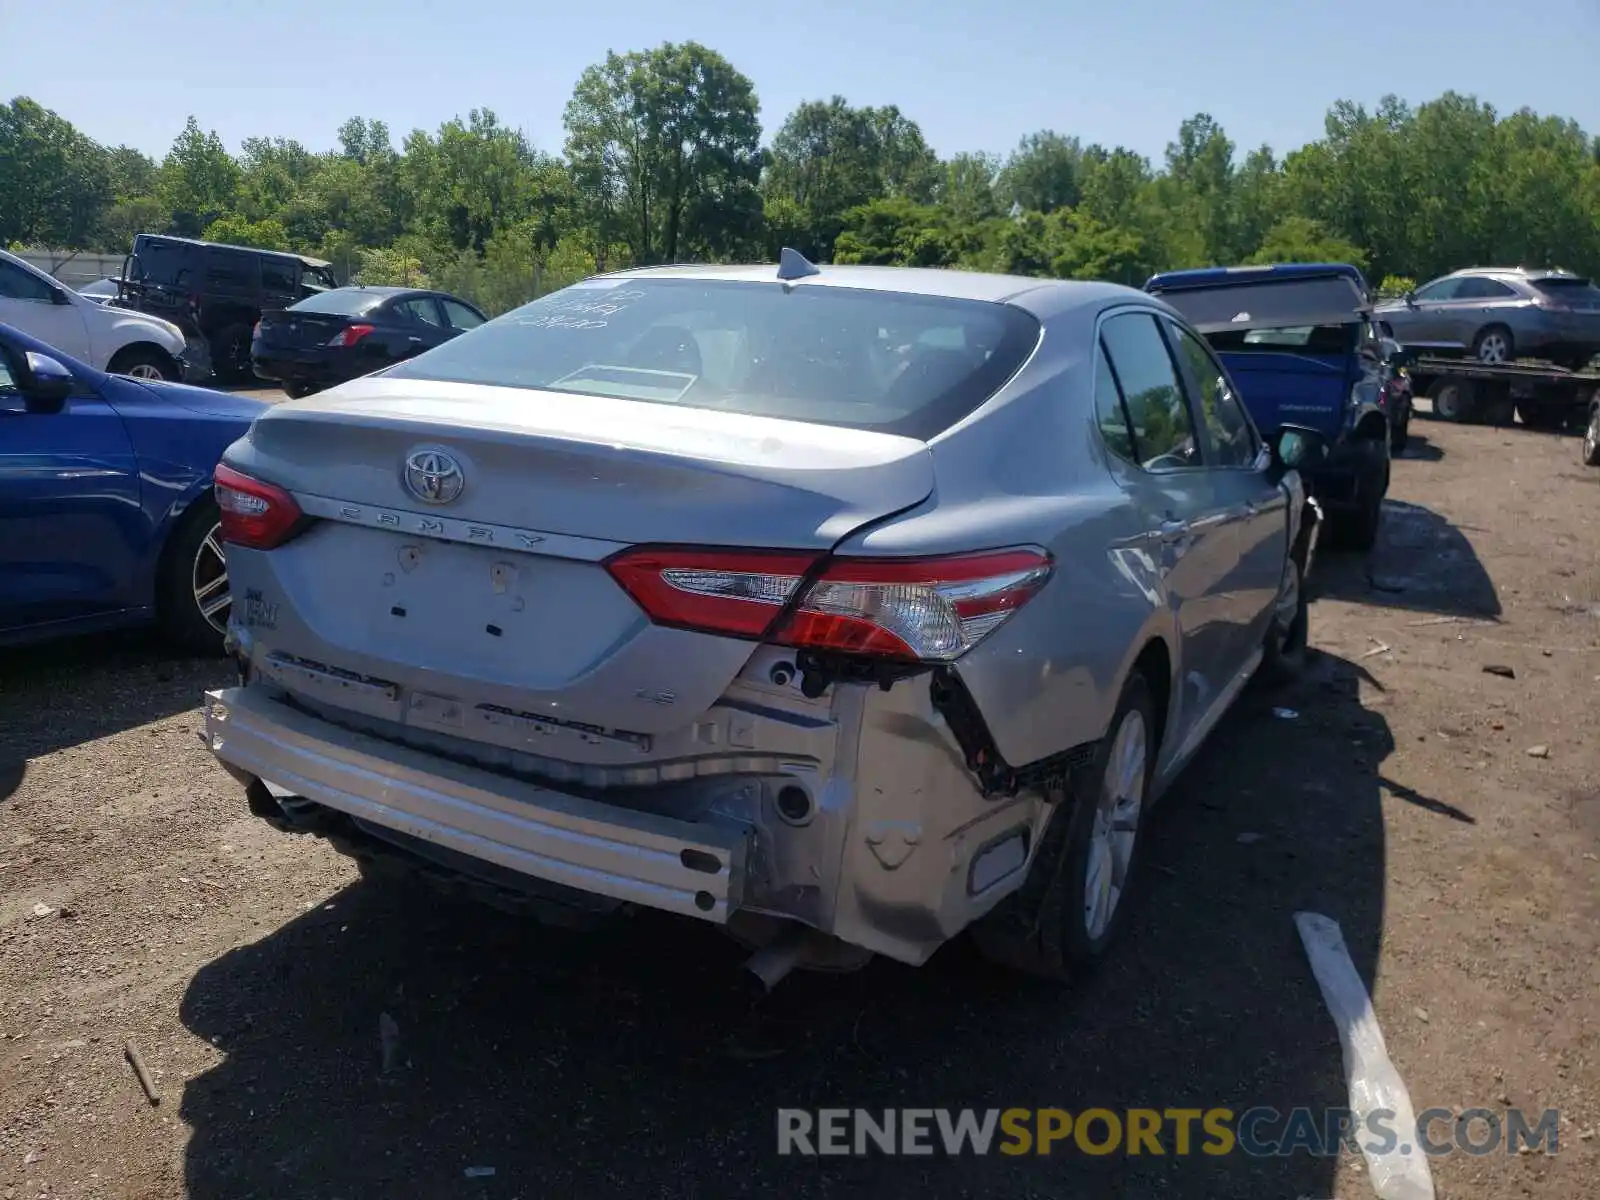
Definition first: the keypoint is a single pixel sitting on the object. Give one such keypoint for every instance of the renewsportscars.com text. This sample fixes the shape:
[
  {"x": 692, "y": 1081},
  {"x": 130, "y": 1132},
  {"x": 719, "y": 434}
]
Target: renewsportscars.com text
[{"x": 1256, "y": 1132}]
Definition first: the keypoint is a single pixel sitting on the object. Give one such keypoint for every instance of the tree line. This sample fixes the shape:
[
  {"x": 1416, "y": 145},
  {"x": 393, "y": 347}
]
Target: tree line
[{"x": 663, "y": 162}]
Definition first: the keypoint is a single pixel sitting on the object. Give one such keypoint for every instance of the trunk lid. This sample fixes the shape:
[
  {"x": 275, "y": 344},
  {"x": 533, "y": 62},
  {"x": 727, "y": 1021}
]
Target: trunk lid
[
  {"x": 287, "y": 329},
  {"x": 492, "y": 615}
]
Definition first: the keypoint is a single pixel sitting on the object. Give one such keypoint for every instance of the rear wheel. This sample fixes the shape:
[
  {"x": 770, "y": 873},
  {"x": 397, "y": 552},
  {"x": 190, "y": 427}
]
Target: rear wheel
[
  {"x": 230, "y": 352},
  {"x": 144, "y": 362},
  {"x": 1067, "y": 913},
  {"x": 1288, "y": 637},
  {"x": 193, "y": 600},
  {"x": 1494, "y": 345},
  {"x": 297, "y": 390},
  {"x": 1591, "y": 439}
]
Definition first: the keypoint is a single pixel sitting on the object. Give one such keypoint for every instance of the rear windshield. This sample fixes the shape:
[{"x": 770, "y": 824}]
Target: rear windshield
[
  {"x": 1568, "y": 289},
  {"x": 1280, "y": 304},
  {"x": 345, "y": 302},
  {"x": 884, "y": 361},
  {"x": 1305, "y": 339}
]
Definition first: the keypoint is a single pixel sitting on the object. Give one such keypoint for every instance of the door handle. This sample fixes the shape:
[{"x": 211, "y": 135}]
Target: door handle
[
  {"x": 1172, "y": 528},
  {"x": 413, "y": 339}
]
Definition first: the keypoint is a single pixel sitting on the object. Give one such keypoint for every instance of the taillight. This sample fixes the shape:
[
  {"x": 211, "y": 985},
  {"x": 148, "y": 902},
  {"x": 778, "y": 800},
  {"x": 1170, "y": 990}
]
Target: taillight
[
  {"x": 255, "y": 515},
  {"x": 350, "y": 335},
  {"x": 928, "y": 609}
]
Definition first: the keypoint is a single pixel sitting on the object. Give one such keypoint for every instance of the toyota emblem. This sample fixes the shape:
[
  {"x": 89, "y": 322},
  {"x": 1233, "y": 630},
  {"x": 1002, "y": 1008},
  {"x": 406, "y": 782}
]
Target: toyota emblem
[{"x": 433, "y": 476}]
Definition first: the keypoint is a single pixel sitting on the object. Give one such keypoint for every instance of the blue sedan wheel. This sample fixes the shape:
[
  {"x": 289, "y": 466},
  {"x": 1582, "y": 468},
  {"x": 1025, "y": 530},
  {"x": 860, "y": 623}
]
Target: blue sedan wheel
[{"x": 195, "y": 600}]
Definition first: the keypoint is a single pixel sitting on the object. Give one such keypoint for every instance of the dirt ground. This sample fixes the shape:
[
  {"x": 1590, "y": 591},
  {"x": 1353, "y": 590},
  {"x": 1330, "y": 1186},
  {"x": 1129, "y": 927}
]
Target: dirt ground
[{"x": 1447, "y": 817}]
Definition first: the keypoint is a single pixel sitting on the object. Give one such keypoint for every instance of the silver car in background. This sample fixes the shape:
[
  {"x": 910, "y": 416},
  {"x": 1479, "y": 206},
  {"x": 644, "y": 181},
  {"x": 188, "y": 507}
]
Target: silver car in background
[
  {"x": 846, "y": 608},
  {"x": 1497, "y": 314}
]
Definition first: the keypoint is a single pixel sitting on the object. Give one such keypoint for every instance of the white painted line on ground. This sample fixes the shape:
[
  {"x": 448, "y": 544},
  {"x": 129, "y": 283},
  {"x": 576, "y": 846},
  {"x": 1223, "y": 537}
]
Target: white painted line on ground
[{"x": 1375, "y": 1085}]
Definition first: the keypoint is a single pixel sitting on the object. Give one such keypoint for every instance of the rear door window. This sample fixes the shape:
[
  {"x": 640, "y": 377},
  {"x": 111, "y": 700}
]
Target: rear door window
[
  {"x": 864, "y": 359},
  {"x": 1477, "y": 287},
  {"x": 1232, "y": 437},
  {"x": 232, "y": 270},
  {"x": 1163, "y": 428},
  {"x": 421, "y": 308},
  {"x": 1109, "y": 413},
  {"x": 277, "y": 277}
]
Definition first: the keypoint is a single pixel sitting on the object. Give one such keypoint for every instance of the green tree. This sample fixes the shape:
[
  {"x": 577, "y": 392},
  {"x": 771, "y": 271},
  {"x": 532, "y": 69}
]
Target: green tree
[
  {"x": 199, "y": 180},
  {"x": 896, "y": 231},
  {"x": 238, "y": 230},
  {"x": 56, "y": 185},
  {"x": 1303, "y": 239},
  {"x": 829, "y": 157},
  {"x": 1043, "y": 173},
  {"x": 664, "y": 147}
]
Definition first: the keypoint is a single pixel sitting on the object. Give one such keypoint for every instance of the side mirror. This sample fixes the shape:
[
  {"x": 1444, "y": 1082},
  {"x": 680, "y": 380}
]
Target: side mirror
[
  {"x": 1411, "y": 299},
  {"x": 1296, "y": 447},
  {"x": 48, "y": 383}
]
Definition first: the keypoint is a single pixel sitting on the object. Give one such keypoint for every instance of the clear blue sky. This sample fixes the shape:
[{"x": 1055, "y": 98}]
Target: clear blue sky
[{"x": 976, "y": 74}]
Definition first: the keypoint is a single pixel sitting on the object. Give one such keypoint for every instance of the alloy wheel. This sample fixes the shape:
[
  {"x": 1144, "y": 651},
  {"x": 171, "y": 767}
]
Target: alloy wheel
[
  {"x": 146, "y": 371},
  {"x": 209, "y": 577},
  {"x": 1493, "y": 348},
  {"x": 1116, "y": 825}
]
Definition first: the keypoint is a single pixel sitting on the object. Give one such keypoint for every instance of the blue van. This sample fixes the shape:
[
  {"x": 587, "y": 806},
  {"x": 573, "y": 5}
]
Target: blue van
[{"x": 1299, "y": 341}]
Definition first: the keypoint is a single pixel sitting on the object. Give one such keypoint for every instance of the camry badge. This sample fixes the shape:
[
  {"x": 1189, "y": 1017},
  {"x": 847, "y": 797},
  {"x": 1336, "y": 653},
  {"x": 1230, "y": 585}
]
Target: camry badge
[{"x": 433, "y": 476}]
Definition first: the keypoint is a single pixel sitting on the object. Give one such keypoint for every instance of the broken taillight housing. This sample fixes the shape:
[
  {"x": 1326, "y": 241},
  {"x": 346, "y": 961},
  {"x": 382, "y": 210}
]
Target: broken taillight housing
[
  {"x": 923, "y": 609},
  {"x": 255, "y": 515}
]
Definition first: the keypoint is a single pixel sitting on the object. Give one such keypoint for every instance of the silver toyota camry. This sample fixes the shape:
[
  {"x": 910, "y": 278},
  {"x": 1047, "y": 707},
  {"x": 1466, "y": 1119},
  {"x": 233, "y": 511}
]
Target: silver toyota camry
[{"x": 847, "y": 608}]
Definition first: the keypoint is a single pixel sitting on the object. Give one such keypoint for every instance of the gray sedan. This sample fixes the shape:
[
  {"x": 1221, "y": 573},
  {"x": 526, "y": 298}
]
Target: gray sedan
[
  {"x": 845, "y": 607},
  {"x": 1499, "y": 314}
]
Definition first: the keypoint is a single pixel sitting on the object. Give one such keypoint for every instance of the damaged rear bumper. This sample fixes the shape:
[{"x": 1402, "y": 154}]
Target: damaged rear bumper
[{"x": 696, "y": 869}]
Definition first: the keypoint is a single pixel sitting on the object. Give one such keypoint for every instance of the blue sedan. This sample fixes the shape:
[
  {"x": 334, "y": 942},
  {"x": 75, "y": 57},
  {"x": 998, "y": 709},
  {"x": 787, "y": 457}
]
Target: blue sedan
[{"x": 106, "y": 513}]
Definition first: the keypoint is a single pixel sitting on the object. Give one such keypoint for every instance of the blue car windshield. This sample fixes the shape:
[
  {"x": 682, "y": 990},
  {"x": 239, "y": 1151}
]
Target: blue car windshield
[{"x": 863, "y": 359}]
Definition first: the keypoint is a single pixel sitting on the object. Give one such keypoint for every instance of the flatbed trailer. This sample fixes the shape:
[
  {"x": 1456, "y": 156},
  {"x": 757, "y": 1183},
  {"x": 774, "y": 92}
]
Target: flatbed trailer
[{"x": 1474, "y": 393}]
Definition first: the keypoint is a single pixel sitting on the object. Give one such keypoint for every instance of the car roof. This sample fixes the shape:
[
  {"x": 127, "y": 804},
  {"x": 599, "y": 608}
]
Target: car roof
[
  {"x": 1208, "y": 277},
  {"x": 1036, "y": 295},
  {"x": 304, "y": 258},
  {"x": 1515, "y": 272}
]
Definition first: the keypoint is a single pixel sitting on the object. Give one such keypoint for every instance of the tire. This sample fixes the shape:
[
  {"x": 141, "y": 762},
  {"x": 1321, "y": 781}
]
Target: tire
[
  {"x": 1399, "y": 435},
  {"x": 230, "y": 353},
  {"x": 1591, "y": 439},
  {"x": 1051, "y": 927},
  {"x": 1454, "y": 400},
  {"x": 297, "y": 391},
  {"x": 145, "y": 362},
  {"x": 191, "y": 563},
  {"x": 1288, "y": 644},
  {"x": 1358, "y": 528},
  {"x": 1494, "y": 344}
]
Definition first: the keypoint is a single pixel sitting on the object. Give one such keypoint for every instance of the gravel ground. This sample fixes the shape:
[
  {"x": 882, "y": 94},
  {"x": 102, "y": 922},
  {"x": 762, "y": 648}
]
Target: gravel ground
[{"x": 1446, "y": 816}]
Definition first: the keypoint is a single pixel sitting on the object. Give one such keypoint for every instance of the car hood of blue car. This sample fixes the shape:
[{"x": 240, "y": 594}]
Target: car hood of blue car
[{"x": 205, "y": 401}]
